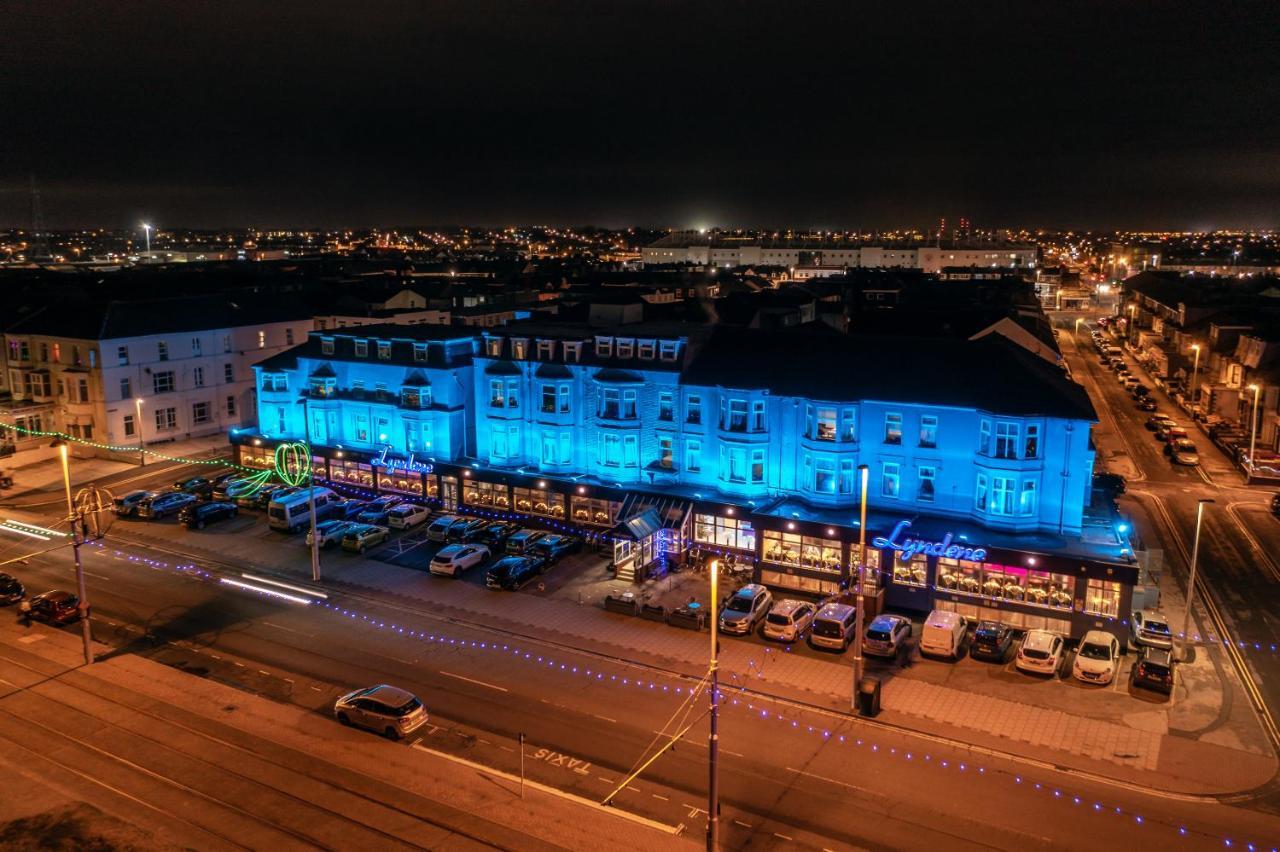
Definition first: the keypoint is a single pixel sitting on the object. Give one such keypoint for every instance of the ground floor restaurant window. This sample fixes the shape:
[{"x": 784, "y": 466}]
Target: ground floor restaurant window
[
  {"x": 487, "y": 494},
  {"x": 781, "y": 548},
  {"x": 820, "y": 554},
  {"x": 319, "y": 467},
  {"x": 871, "y": 576},
  {"x": 779, "y": 580},
  {"x": 353, "y": 473},
  {"x": 725, "y": 532},
  {"x": 1102, "y": 597},
  {"x": 538, "y": 502},
  {"x": 910, "y": 572},
  {"x": 1021, "y": 620},
  {"x": 259, "y": 457},
  {"x": 586, "y": 510},
  {"x": 1006, "y": 582},
  {"x": 433, "y": 486},
  {"x": 401, "y": 481}
]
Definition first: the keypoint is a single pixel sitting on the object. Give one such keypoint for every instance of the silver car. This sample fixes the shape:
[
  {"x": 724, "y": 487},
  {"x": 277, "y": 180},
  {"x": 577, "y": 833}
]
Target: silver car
[
  {"x": 1151, "y": 628},
  {"x": 745, "y": 609},
  {"x": 389, "y": 710}
]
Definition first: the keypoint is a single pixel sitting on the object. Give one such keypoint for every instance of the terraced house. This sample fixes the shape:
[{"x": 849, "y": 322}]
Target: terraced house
[{"x": 670, "y": 438}]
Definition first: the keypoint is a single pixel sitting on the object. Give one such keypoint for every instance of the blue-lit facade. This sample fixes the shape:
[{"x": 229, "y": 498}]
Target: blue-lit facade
[{"x": 637, "y": 434}]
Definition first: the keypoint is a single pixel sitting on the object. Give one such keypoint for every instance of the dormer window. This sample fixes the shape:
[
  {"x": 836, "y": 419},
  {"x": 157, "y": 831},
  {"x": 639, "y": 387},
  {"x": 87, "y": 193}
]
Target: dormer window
[
  {"x": 646, "y": 349},
  {"x": 415, "y": 397},
  {"x": 667, "y": 350},
  {"x": 384, "y": 350},
  {"x": 573, "y": 351},
  {"x": 420, "y": 352},
  {"x": 626, "y": 345},
  {"x": 326, "y": 346},
  {"x": 604, "y": 347},
  {"x": 323, "y": 388},
  {"x": 546, "y": 350},
  {"x": 362, "y": 349},
  {"x": 519, "y": 348}
]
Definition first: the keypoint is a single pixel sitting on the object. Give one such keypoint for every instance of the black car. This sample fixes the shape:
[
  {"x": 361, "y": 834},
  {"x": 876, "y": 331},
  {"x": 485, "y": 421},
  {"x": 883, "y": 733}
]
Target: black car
[
  {"x": 1138, "y": 391},
  {"x": 56, "y": 607},
  {"x": 466, "y": 529},
  {"x": 198, "y": 485},
  {"x": 552, "y": 547},
  {"x": 1113, "y": 483},
  {"x": 376, "y": 511},
  {"x": 1147, "y": 403},
  {"x": 991, "y": 641},
  {"x": 512, "y": 572},
  {"x": 1154, "y": 670},
  {"x": 197, "y": 515},
  {"x": 1275, "y": 505},
  {"x": 348, "y": 509},
  {"x": 496, "y": 533},
  {"x": 11, "y": 590}
]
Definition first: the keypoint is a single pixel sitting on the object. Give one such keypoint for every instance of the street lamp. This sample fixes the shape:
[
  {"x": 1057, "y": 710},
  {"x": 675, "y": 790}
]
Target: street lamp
[
  {"x": 1076, "y": 333},
  {"x": 1195, "y": 347},
  {"x": 1191, "y": 586},
  {"x": 1253, "y": 425},
  {"x": 713, "y": 744},
  {"x": 146, "y": 229},
  {"x": 311, "y": 492},
  {"x": 142, "y": 455},
  {"x": 81, "y": 591},
  {"x": 864, "y": 472}
]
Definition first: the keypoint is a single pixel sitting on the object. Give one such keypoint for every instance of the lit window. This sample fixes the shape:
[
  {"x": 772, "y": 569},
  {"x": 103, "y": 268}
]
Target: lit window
[
  {"x": 693, "y": 409},
  {"x": 604, "y": 347},
  {"x": 362, "y": 349},
  {"x": 262, "y": 339},
  {"x": 824, "y": 475},
  {"x": 984, "y": 437},
  {"x": 757, "y": 467},
  {"x": 1003, "y": 489},
  {"x": 980, "y": 493},
  {"x": 666, "y": 405},
  {"x": 384, "y": 350},
  {"x": 1007, "y": 440},
  {"x": 1031, "y": 449},
  {"x": 693, "y": 456},
  {"x": 893, "y": 428},
  {"x": 925, "y": 489},
  {"x": 326, "y": 346},
  {"x": 1027, "y": 500},
  {"x": 493, "y": 346},
  {"x": 928, "y": 431},
  {"x": 891, "y": 479},
  {"x": 519, "y": 347}
]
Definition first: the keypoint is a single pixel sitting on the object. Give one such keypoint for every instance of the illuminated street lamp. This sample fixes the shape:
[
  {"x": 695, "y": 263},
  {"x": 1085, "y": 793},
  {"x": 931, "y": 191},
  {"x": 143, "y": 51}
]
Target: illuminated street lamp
[
  {"x": 713, "y": 744},
  {"x": 142, "y": 455},
  {"x": 1195, "y": 347},
  {"x": 146, "y": 229},
  {"x": 1253, "y": 425},
  {"x": 86, "y": 632},
  {"x": 1079, "y": 320},
  {"x": 1191, "y": 585},
  {"x": 864, "y": 472}
]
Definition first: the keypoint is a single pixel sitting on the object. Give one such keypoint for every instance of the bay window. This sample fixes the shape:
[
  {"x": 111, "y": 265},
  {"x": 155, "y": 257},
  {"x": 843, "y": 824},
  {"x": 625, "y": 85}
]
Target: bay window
[
  {"x": 1007, "y": 440},
  {"x": 1003, "y": 489}
]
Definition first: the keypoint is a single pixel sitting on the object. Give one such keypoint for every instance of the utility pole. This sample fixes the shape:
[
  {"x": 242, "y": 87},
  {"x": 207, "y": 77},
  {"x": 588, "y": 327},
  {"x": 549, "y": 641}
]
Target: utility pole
[
  {"x": 864, "y": 472},
  {"x": 713, "y": 745},
  {"x": 1191, "y": 585},
  {"x": 76, "y": 539}
]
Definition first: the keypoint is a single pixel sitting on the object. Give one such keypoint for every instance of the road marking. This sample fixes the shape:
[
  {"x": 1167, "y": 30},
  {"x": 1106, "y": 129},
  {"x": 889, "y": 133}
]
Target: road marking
[
  {"x": 215, "y": 656},
  {"x": 317, "y": 689},
  {"x": 473, "y": 680},
  {"x": 483, "y": 740},
  {"x": 783, "y": 836},
  {"x": 507, "y": 748},
  {"x": 605, "y": 718},
  {"x": 289, "y": 629},
  {"x": 828, "y": 780},
  {"x": 564, "y": 761},
  {"x": 241, "y": 665},
  {"x": 263, "y": 671},
  {"x": 605, "y": 780},
  {"x": 694, "y": 810},
  {"x": 730, "y": 753},
  {"x": 741, "y": 823},
  {"x": 304, "y": 590},
  {"x": 663, "y": 798}
]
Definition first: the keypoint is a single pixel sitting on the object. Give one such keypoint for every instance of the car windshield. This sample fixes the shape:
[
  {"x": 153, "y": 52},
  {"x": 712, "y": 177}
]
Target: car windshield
[
  {"x": 1094, "y": 651},
  {"x": 878, "y": 634},
  {"x": 738, "y": 603},
  {"x": 1155, "y": 626},
  {"x": 779, "y": 619}
]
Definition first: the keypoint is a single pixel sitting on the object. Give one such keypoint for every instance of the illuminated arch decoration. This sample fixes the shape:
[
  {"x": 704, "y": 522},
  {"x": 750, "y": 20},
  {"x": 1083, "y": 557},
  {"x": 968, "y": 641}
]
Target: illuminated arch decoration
[{"x": 293, "y": 463}]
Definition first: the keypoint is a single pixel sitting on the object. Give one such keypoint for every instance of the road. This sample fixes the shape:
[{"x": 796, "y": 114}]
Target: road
[{"x": 791, "y": 776}]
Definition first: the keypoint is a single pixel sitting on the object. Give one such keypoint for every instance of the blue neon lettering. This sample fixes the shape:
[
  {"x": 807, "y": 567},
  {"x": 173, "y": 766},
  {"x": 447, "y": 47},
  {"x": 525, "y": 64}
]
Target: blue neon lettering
[
  {"x": 910, "y": 547},
  {"x": 410, "y": 463}
]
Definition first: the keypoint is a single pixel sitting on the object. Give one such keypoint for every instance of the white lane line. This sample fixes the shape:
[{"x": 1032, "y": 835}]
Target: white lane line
[
  {"x": 289, "y": 629},
  {"x": 741, "y": 823},
  {"x": 783, "y": 836},
  {"x": 95, "y": 576},
  {"x": 507, "y": 748},
  {"x": 731, "y": 753},
  {"x": 826, "y": 779},
  {"x": 663, "y": 798},
  {"x": 605, "y": 780},
  {"x": 263, "y": 671},
  {"x": 241, "y": 665},
  {"x": 483, "y": 740},
  {"x": 317, "y": 689},
  {"x": 473, "y": 680},
  {"x": 605, "y": 718},
  {"x": 634, "y": 789}
]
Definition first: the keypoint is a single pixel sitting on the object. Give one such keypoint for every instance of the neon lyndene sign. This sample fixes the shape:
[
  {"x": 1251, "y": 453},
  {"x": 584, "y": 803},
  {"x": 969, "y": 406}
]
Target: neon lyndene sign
[
  {"x": 910, "y": 547},
  {"x": 410, "y": 464}
]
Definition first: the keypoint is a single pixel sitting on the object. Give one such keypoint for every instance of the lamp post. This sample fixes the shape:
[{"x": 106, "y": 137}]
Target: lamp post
[
  {"x": 713, "y": 744},
  {"x": 142, "y": 455},
  {"x": 1076, "y": 333},
  {"x": 76, "y": 535},
  {"x": 1195, "y": 369},
  {"x": 1195, "y": 558},
  {"x": 1253, "y": 425},
  {"x": 864, "y": 472},
  {"x": 146, "y": 229},
  {"x": 311, "y": 492}
]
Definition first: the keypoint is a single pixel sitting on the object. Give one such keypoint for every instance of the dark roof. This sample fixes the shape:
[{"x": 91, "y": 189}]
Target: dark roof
[
  {"x": 115, "y": 320},
  {"x": 814, "y": 361}
]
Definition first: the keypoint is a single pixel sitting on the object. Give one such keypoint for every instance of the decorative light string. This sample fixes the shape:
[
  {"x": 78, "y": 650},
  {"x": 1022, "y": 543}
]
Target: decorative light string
[{"x": 63, "y": 436}]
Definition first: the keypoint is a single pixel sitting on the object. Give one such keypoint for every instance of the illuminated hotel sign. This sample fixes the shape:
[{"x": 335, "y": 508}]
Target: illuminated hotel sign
[
  {"x": 909, "y": 547},
  {"x": 409, "y": 464}
]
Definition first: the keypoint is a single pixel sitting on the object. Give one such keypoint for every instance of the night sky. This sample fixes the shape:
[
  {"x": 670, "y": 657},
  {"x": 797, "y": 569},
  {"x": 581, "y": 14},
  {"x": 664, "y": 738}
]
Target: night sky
[{"x": 1104, "y": 115}]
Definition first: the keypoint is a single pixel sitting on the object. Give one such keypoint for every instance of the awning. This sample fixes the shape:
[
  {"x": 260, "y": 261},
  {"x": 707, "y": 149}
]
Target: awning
[{"x": 644, "y": 514}]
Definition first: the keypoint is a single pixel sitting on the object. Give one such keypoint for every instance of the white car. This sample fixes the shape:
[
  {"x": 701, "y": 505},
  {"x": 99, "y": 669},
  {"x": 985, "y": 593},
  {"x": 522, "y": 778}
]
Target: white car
[
  {"x": 1097, "y": 658},
  {"x": 1039, "y": 653},
  {"x": 456, "y": 558},
  {"x": 788, "y": 620},
  {"x": 407, "y": 515}
]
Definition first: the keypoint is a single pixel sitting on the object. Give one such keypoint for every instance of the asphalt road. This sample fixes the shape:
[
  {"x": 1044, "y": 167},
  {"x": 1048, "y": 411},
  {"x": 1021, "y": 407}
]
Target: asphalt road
[{"x": 791, "y": 776}]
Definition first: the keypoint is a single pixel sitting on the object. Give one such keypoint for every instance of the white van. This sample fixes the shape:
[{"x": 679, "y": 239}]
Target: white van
[
  {"x": 943, "y": 634},
  {"x": 293, "y": 512}
]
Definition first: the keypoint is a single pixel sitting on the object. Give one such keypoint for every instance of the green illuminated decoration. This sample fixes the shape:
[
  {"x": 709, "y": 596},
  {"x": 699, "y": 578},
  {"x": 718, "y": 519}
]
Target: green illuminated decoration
[
  {"x": 63, "y": 436},
  {"x": 293, "y": 463}
]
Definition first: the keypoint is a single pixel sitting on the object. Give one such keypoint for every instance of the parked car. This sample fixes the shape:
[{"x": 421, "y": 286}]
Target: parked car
[
  {"x": 1040, "y": 653},
  {"x": 496, "y": 533},
  {"x": 465, "y": 529},
  {"x": 1154, "y": 670},
  {"x": 1275, "y": 505},
  {"x": 1150, "y": 628},
  {"x": 943, "y": 634},
  {"x": 886, "y": 635},
  {"x": 1097, "y": 658},
  {"x": 198, "y": 515},
  {"x": 360, "y": 537},
  {"x": 234, "y": 489},
  {"x": 388, "y": 710},
  {"x": 552, "y": 547},
  {"x": 439, "y": 529},
  {"x": 745, "y": 609},
  {"x": 1170, "y": 433},
  {"x": 1184, "y": 452},
  {"x": 991, "y": 641},
  {"x": 222, "y": 478},
  {"x": 834, "y": 627},
  {"x": 164, "y": 504},
  {"x": 11, "y": 591},
  {"x": 331, "y": 532},
  {"x": 350, "y": 509},
  {"x": 197, "y": 485},
  {"x": 453, "y": 559},
  {"x": 56, "y": 607},
  {"x": 1147, "y": 403},
  {"x": 265, "y": 496},
  {"x": 1110, "y": 482},
  {"x": 524, "y": 540},
  {"x": 512, "y": 572},
  {"x": 1156, "y": 422},
  {"x": 377, "y": 510},
  {"x": 407, "y": 516},
  {"x": 127, "y": 505},
  {"x": 788, "y": 620},
  {"x": 1140, "y": 391}
]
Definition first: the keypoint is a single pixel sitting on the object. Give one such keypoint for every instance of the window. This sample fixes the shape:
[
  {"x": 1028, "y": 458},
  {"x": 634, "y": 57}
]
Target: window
[
  {"x": 1007, "y": 440},
  {"x": 548, "y": 399},
  {"x": 611, "y": 450},
  {"x": 384, "y": 350},
  {"x": 195, "y": 346},
  {"x": 1031, "y": 449},
  {"x": 493, "y": 347},
  {"x": 666, "y": 405},
  {"x": 604, "y": 347},
  {"x": 271, "y": 382},
  {"x": 984, "y": 437},
  {"x": 667, "y": 350},
  {"x": 925, "y": 488},
  {"x": 645, "y": 349},
  {"x": 496, "y": 397},
  {"x": 846, "y": 476},
  {"x": 288, "y": 337},
  {"x": 550, "y": 448},
  {"x": 415, "y": 397},
  {"x": 693, "y": 409},
  {"x": 1027, "y": 500},
  {"x": 611, "y": 403},
  {"x": 573, "y": 352},
  {"x": 980, "y": 493},
  {"x": 226, "y": 343},
  {"x": 82, "y": 387},
  {"x": 162, "y": 382},
  {"x": 910, "y": 572},
  {"x": 824, "y": 475},
  {"x": 126, "y": 388},
  {"x": 197, "y": 377},
  {"x": 419, "y": 352},
  {"x": 733, "y": 464},
  {"x": 228, "y": 373},
  {"x": 231, "y": 406},
  {"x": 362, "y": 428},
  {"x": 262, "y": 339},
  {"x": 724, "y": 531},
  {"x": 630, "y": 451},
  {"x": 781, "y": 548},
  {"x": 1102, "y": 597},
  {"x": 326, "y": 346},
  {"x": 893, "y": 428},
  {"x": 166, "y": 419},
  {"x": 563, "y": 394},
  {"x": 757, "y": 467},
  {"x": 519, "y": 348},
  {"x": 199, "y": 412},
  {"x": 44, "y": 352},
  {"x": 625, "y": 347},
  {"x": 928, "y": 431},
  {"x": 733, "y": 415},
  {"x": 693, "y": 456},
  {"x": 823, "y": 424},
  {"x": 122, "y": 353},
  {"x": 506, "y": 440},
  {"x": 93, "y": 358},
  {"x": 162, "y": 350},
  {"x": 129, "y": 426},
  {"x": 666, "y": 453},
  {"x": 1003, "y": 489},
  {"x": 628, "y": 404},
  {"x": 757, "y": 415},
  {"x": 362, "y": 349},
  {"x": 848, "y": 419},
  {"x": 890, "y": 482}
]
